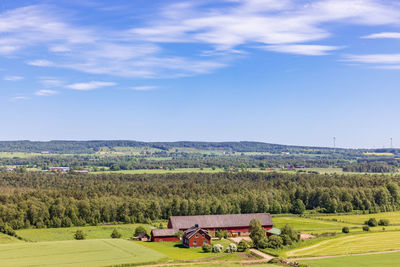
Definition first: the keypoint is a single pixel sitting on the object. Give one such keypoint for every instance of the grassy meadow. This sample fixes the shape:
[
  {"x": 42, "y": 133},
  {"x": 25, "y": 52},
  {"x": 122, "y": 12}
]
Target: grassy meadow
[
  {"x": 374, "y": 260},
  {"x": 351, "y": 244},
  {"x": 175, "y": 251},
  {"x": 92, "y": 232},
  {"x": 393, "y": 217},
  {"x": 6, "y": 239},
  {"x": 88, "y": 253}
]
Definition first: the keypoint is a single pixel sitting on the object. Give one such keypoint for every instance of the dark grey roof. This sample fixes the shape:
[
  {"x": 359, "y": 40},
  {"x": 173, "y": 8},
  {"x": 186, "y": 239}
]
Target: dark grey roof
[
  {"x": 191, "y": 231},
  {"x": 164, "y": 232},
  {"x": 219, "y": 221},
  {"x": 142, "y": 235}
]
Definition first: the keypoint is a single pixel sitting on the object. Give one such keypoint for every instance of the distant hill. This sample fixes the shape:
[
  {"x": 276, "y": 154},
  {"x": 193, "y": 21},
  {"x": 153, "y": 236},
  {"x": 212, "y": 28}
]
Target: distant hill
[{"x": 89, "y": 147}]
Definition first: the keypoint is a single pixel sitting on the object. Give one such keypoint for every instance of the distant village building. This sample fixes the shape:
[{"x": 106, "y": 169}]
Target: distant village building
[
  {"x": 195, "y": 237},
  {"x": 10, "y": 169},
  {"x": 59, "y": 169}
]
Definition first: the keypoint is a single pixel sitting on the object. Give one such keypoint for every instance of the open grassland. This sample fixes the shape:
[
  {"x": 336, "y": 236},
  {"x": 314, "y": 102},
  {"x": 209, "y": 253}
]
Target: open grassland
[
  {"x": 93, "y": 232},
  {"x": 17, "y": 154},
  {"x": 163, "y": 171},
  {"x": 351, "y": 244},
  {"x": 175, "y": 251},
  {"x": 6, "y": 239},
  {"x": 375, "y": 260},
  {"x": 308, "y": 225},
  {"x": 86, "y": 253},
  {"x": 393, "y": 217}
]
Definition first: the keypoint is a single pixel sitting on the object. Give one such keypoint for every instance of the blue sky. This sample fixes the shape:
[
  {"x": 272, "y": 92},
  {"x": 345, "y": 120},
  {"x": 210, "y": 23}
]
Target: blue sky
[{"x": 278, "y": 71}]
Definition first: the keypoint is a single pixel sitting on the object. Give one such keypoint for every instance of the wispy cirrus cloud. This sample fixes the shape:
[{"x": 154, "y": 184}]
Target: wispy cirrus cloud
[
  {"x": 309, "y": 50},
  {"x": 46, "y": 92},
  {"x": 225, "y": 27},
  {"x": 13, "y": 78},
  {"x": 383, "y": 35},
  {"x": 374, "y": 58},
  {"x": 40, "y": 63},
  {"x": 19, "y": 98},
  {"x": 144, "y": 88},
  {"x": 90, "y": 85},
  {"x": 50, "y": 82}
]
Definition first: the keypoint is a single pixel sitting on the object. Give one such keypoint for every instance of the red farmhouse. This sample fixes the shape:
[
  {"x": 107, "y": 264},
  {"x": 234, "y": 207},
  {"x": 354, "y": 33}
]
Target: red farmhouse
[
  {"x": 158, "y": 235},
  {"x": 233, "y": 223},
  {"x": 195, "y": 237}
]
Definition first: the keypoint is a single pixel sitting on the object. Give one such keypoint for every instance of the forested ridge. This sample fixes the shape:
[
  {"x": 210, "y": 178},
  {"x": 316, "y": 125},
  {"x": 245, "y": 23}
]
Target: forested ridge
[
  {"x": 35, "y": 199},
  {"x": 89, "y": 147}
]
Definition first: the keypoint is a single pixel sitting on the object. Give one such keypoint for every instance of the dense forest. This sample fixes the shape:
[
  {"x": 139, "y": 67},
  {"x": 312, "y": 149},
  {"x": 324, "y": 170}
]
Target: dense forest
[
  {"x": 90, "y": 147},
  {"x": 36, "y": 199}
]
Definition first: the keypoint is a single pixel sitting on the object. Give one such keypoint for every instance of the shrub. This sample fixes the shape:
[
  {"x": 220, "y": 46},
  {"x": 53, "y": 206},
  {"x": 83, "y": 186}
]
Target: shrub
[
  {"x": 345, "y": 230},
  {"x": 383, "y": 222},
  {"x": 289, "y": 233},
  {"x": 79, "y": 235},
  {"x": 179, "y": 234},
  {"x": 219, "y": 234},
  {"x": 287, "y": 241},
  {"x": 242, "y": 246},
  {"x": 371, "y": 222},
  {"x": 217, "y": 248},
  {"x": 275, "y": 241},
  {"x": 140, "y": 230},
  {"x": 365, "y": 228},
  {"x": 115, "y": 234},
  {"x": 231, "y": 248},
  {"x": 206, "y": 247}
]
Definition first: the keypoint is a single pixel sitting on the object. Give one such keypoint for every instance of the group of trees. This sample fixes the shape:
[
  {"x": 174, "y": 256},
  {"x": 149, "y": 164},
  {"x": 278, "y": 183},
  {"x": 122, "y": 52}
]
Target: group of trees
[
  {"x": 372, "y": 167},
  {"x": 258, "y": 235},
  {"x": 35, "y": 199}
]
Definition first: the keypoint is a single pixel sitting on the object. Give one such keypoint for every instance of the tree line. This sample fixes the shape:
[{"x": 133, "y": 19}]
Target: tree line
[{"x": 35, "y": 199}]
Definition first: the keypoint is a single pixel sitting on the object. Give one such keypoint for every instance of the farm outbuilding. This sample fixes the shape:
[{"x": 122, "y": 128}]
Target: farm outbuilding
[
  {"x": 195, "y": 237},
  {"x": 159, "y": 235}
]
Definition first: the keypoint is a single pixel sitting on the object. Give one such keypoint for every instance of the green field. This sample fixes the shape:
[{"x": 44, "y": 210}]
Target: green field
[
  {"x": 351, "y": 244},
  {"x": 6, "y": 239},
  {"x": 308, "y": 225},
  {"x": 175, "y": 251},
  {"x": 93, "y": 232},
  {"x": 86, "y": 253},
  {"x": 393, "y": 217},
  {"x": 376, "y": 260}
]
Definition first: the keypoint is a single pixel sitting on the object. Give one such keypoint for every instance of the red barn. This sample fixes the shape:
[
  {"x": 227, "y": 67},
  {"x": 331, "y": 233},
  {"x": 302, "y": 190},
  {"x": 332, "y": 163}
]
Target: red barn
[
  {"x": 195, "y": 237},
  {"x": 233, "y": 223},
  {"x": 158, "y": 235}
]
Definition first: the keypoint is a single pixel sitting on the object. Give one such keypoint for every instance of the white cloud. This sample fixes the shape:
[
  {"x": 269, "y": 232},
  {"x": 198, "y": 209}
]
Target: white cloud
[
  {"x": 226, "y": 26},
  {"x": 19, "y": 98},
  {"x": 13, "y": 78},
  {"x": 50, "y": 82},
  {"x": 144, "y": 88},
  {"x": 89, "y": 85},
  {"x": 383, "y": 35},
  {"x": 40, "y": 63},
  {"x": 374, "y": 58},
  {"x": 309, "y": 50},
  {"x": 45, "y": 92}
]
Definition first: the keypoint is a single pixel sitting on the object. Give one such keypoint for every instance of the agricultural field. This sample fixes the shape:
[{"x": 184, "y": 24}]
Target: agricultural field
[
  {"x": 88, "y": 253},
  {"x": 351, "y": 244},
  {"x": 374, "y": 260},
  {"x": 308, "y": 225},
  {"x": 6, "y": 239},
  {"x": 393, "y": 217},
  {"x": 175, "y": 251},
  {"x": 92, "y": 232}
]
